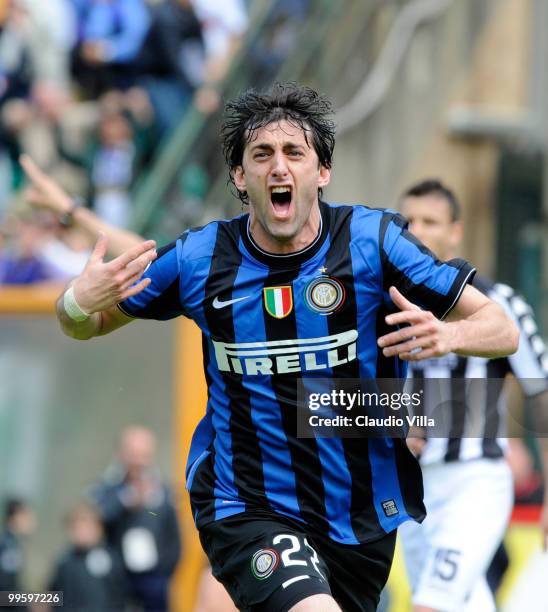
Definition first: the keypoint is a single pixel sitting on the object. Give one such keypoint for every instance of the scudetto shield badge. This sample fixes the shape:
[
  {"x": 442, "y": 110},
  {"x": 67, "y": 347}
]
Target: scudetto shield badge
[
  {"x": 324, "y": 295},
  {"x": 278, "y": 301},
  {"x": 264, "y": 562}
]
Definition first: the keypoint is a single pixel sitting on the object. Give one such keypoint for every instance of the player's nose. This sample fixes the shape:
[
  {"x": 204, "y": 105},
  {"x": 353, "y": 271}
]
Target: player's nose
[{"x": 279, "y": 165}]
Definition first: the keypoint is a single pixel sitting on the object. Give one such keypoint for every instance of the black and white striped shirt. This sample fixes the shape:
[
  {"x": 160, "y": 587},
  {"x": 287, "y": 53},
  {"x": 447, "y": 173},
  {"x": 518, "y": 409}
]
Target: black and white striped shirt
[{"x": 474, "y": 426}]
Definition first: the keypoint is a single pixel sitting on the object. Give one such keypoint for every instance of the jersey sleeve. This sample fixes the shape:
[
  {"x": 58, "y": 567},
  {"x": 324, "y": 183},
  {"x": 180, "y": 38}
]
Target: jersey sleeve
[
  {"x": 414, "y": 270},
  {"x": 161, "y": 300},
  {"x": 529, "y": 363}
]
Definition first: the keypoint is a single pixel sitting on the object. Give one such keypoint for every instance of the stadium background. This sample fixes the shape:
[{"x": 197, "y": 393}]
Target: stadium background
[{"x": 453, "y": 89}]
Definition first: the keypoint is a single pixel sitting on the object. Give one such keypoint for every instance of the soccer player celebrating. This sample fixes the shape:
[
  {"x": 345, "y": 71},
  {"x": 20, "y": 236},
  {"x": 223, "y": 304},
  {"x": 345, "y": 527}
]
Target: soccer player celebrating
[
  {"x": 467, "y": 482},
  {"x": 295, "y": 289}
]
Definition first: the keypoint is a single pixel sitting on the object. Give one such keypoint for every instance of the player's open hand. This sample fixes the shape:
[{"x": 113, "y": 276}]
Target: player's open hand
[
  {"x": 103, "y": 285},
  {"x": 423, "y": 338},
  {"x": 44, "y": 191}
]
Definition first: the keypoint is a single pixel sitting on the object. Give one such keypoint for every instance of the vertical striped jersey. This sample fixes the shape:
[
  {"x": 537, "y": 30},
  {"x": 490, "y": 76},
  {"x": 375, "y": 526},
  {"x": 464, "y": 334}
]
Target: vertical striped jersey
[
  {"x": 475, "y": 423},
  {"x": 268, "y": 320}
]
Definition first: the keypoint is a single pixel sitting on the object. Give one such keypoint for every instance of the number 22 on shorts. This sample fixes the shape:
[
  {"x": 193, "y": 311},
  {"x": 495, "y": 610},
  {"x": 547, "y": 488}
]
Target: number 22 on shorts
[{"x": 295, "y": 549}]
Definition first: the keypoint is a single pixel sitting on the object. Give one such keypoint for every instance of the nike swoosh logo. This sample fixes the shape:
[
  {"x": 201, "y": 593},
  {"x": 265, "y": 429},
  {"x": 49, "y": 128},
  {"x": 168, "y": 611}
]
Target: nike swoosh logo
[{"x": 218, "y": 304}]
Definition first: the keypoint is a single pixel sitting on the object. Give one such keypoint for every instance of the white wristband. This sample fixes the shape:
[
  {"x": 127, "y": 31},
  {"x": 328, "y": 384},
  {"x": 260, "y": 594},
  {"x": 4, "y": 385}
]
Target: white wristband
[{"x": 72, "y": 308}]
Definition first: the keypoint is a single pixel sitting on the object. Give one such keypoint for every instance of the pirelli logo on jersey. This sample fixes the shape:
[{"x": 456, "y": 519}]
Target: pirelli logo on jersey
[{"x": 283, "y": 356}]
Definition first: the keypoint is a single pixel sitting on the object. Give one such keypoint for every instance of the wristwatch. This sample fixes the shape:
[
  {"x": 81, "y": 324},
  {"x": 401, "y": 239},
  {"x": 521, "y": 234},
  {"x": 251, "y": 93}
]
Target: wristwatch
[{"x": 67, "y": 220}]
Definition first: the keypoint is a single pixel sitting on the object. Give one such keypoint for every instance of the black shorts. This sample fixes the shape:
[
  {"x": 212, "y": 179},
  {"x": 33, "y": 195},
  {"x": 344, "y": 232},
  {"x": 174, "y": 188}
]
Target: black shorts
[{"x": 268, "y": 563}]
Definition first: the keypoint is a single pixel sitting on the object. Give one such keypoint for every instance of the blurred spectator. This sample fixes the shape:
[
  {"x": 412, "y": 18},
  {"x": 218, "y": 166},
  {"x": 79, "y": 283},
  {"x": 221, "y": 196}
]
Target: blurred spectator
[
  {"x": 280, "y": 38},
  {"x": 90, "y": 573},
  {"x": 35, "y": 41},
  {"x": 223, "y": 27},
  {"x": 19, "y": 521},
  {"x": 140, "y": 518},
  {"x": 35, "y": 248},
  {"x": 19, "y": 263},
  {"x": 165, "y": 78},
  {"x": 113, "y": 155},
  {"x": 66, "y": 253},
  {"x": 111, "y": 34},
  {"x": 45, "y": 194}
]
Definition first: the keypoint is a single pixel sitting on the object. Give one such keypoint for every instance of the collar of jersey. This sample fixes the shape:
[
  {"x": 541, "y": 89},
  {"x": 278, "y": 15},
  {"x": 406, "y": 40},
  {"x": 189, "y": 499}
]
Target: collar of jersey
[{"x": 288, "y": 260}]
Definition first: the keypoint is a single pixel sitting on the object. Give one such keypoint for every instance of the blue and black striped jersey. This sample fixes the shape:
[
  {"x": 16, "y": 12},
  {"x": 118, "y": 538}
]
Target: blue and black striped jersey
[{"x": 268, "y": 320}]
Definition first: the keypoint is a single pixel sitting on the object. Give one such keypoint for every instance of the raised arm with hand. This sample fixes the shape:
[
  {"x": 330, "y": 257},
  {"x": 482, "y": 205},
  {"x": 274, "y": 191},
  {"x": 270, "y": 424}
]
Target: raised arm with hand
[
  {"x": 44, "y": 192},
  {"x": 88, "y": 307},
  {"x": 475, "y": 326}
]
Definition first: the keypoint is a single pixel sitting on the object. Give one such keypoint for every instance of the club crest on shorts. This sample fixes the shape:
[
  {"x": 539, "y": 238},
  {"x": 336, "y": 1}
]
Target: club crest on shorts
[
  {"x": 264, "y": 562},
  {"x": 324, "y": 294},
  {"x": 278, "y": 301}
]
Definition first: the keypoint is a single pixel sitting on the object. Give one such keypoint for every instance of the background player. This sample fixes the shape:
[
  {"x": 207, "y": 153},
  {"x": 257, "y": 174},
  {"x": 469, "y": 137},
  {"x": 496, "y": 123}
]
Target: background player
[
  {"x": 299, "y": 512},
  {"x": 468, "y": 485},
  {"x": 140, "y": 519}
]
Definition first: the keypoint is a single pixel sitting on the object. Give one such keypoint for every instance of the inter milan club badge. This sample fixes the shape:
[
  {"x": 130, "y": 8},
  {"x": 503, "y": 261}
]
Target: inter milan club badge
[
  {"x": 278, "y": 301},
  {"x": 324, "y": 295},
  {"x": 264, "y": 562}
]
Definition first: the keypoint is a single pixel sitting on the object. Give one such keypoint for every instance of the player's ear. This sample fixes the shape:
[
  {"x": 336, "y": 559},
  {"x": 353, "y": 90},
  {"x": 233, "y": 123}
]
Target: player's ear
[
  {"x": 325, "y": 176},
  {"x": 238, "y": 176}
]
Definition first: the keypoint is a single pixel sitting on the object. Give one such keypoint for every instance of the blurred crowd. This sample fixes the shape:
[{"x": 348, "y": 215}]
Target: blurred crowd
[
  {"x": 89, "y": 88},
  {"x": 122, "y": 539}
]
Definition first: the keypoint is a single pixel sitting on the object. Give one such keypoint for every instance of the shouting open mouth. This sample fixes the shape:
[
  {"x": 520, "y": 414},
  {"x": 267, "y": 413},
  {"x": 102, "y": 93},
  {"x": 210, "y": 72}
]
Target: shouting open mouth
[{"x": 281, "y": 198}]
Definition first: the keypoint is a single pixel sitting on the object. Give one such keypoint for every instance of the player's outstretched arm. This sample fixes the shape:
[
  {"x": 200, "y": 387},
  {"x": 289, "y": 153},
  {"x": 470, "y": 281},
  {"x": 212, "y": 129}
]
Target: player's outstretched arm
[
  {"x": 88, "y": 307},
  {"x": 44, "y": 192},
  {"x": 475, "y": 326}
]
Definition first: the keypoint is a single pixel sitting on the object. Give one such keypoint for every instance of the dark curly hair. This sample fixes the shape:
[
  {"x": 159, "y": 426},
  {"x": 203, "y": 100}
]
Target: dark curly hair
[{"x": 301, "y": 106}]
